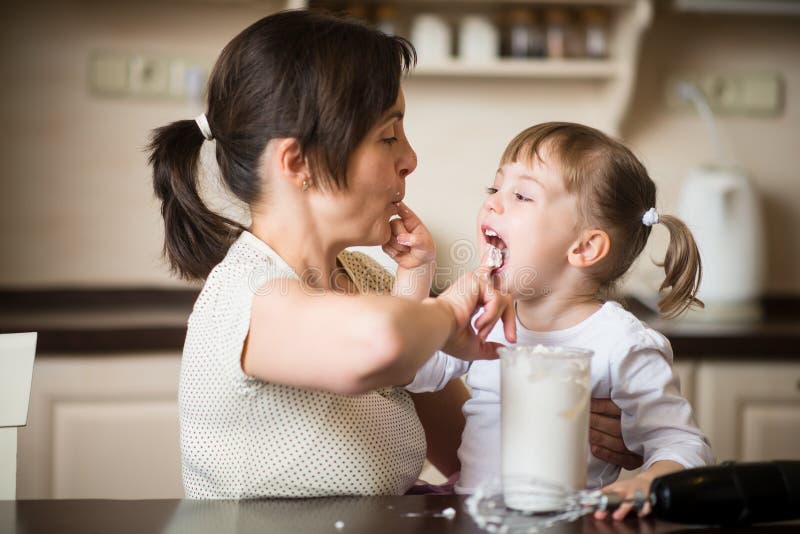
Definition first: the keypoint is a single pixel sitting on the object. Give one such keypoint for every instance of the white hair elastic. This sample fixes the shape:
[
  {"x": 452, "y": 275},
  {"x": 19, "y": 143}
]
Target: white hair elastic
[
  {"x": 202, "y": 123},
  {"x": 650, "y": 217}
]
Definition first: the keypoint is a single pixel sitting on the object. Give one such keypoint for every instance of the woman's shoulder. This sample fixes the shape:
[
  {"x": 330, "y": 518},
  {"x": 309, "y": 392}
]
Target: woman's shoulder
[
  {"x": 246, "y": 270},
  {"x": 367, "y": 272}
]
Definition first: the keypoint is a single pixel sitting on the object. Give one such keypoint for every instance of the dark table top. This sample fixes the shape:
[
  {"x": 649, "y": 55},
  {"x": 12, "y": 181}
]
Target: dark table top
[{"x": 381, "y": 515}]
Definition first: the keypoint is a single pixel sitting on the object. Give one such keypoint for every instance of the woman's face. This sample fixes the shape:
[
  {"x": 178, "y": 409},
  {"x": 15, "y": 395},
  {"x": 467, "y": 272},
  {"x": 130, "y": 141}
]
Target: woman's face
[{"x": 376, "y": 177}]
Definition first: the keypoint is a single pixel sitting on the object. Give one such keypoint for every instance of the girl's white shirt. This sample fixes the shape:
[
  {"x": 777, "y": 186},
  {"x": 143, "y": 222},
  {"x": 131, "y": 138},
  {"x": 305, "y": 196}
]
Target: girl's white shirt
[
  {"x": 632, "y": 365},
  {"x": 245, "y": 438}
]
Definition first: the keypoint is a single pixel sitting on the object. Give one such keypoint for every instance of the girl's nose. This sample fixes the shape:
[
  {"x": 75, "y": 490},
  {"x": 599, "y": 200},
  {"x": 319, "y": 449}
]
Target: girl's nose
[{"x": 494, "y": 202}]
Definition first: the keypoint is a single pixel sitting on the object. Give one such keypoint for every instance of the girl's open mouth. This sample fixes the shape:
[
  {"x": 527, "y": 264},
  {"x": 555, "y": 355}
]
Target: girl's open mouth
[{"x": 498, "y": 259}]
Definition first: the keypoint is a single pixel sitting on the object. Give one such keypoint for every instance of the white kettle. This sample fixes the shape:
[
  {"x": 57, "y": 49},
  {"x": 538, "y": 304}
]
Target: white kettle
[{"x": 721, "y": 208}]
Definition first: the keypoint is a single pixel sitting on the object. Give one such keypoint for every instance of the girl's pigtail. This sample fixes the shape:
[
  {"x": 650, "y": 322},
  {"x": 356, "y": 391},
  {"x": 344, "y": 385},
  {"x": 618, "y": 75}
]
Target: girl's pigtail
[
  {"x": 682, "y": 267},
  {"x": 195, "y": 238}
]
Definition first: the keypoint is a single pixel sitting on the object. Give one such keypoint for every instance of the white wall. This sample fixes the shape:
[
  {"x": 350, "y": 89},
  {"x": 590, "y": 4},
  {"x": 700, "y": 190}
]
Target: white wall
[{"x": 76, "y": 206}]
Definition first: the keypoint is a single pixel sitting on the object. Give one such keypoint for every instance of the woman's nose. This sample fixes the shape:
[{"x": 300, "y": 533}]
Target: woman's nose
[{"x": 408, "y": 162}]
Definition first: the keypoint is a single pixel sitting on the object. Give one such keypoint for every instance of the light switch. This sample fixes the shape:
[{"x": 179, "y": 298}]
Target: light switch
[{"x": 108, "y": 73}]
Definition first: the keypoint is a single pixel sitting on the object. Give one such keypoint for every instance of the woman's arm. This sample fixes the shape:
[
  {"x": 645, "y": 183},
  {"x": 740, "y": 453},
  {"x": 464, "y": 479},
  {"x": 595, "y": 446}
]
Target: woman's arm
[
  {"x": 343, "y": 344},
  {"x": 352, "y": 344}
]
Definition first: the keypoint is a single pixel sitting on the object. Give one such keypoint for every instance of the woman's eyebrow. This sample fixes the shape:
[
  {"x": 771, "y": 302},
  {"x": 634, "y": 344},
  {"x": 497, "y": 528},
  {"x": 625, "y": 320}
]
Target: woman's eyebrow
[{"x": 392, "y": 115}]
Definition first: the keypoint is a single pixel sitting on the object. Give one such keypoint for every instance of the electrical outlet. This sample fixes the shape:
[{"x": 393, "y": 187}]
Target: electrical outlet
[{"x": 758, "y": 94}]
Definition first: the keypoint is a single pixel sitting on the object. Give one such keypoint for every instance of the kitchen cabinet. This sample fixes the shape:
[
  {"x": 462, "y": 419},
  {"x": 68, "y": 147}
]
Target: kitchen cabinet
[
  {"x": 102, "y": 427},
  {"x": 750, "y": 410}
]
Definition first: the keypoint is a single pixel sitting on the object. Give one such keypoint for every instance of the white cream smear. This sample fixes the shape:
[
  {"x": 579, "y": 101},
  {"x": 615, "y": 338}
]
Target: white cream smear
[
  {"x": 494, "y": 258},
  {"x": 544, "y": 424}
]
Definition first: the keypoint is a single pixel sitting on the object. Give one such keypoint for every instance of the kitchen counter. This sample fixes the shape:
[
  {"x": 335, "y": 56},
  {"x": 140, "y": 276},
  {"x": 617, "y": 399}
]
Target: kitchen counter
[
  {"x": 387, "y": 515},
  {"x": 105, "y": 321}
]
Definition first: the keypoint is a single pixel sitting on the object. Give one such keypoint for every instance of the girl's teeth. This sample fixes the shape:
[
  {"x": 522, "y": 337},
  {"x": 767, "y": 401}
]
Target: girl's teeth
[{"x": 491, "y": 233}]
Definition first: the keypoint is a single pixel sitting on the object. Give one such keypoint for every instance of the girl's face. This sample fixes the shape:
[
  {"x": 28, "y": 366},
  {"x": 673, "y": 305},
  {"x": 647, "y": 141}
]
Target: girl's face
[
  {"x": 376, "y": 175},
  {"x": 530, "y": 216}
]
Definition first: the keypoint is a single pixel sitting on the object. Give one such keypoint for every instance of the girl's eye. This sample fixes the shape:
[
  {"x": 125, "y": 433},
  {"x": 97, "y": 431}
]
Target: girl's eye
[
  {"x": 390, "y": 140},
  {"x": 491, "y": 190},
  {"x": 523, "y": 198}
]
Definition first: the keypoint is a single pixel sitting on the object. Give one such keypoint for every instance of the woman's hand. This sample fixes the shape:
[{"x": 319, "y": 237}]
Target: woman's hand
[
  {"x": 414, "y": 250},
  {"x": 640, "y": 484},
  {"x": 469, "y": 293},
  {"x": 605, "y": 435}
]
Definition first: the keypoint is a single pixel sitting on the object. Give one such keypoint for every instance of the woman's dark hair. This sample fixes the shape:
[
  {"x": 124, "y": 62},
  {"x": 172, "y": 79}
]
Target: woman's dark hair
[{"x": 320, "y": 79}]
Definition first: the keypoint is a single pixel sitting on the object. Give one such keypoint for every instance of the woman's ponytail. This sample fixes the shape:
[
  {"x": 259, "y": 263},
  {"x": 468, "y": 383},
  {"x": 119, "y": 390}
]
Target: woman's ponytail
[
  {"x": 682, "y": 267},
  {"x": 195, "y": 238}
]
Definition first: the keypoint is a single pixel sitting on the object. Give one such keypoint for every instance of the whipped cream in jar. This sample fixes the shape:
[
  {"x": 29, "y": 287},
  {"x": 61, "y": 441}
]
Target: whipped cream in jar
[{"x": 545, "y": 393}]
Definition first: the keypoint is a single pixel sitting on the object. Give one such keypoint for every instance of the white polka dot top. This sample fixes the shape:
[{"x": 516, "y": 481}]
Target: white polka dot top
[{"x": 245, "y": 438}]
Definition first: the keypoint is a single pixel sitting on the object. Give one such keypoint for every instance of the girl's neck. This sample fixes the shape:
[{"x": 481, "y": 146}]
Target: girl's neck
[{"x": 555, "y": 311}]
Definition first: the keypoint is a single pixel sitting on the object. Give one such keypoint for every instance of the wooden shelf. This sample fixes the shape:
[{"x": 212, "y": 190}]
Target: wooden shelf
[{"x": 523, "y": 68}]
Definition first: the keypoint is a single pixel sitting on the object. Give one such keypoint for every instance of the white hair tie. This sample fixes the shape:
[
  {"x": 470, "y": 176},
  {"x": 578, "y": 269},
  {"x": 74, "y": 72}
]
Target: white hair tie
[
  {"x": 650, "y": 217},
  {"x": 202, "y": 123}
]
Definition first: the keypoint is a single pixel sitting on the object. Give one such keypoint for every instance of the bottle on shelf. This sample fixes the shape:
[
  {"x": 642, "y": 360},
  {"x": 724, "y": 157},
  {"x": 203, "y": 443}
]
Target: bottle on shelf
[
  {"x": 525, "y": 35},
  {"x": 357, "y": 11},
  {"x": 595, "y": 22},
  {"x": 556, "y": 20},
  {"x": 574, "y": 37},
  {"x": 387, "y": 19}
]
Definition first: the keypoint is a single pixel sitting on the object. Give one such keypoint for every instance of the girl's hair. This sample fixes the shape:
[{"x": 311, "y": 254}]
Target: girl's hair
[
  {"x": 322, "y": 80},
  {"x": 614, "y": 191}
]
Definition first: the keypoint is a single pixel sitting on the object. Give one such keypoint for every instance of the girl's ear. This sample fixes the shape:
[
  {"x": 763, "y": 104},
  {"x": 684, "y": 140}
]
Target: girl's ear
[
  {"x": 290, "y": 162},
  {"x": 593, "y": 246}
]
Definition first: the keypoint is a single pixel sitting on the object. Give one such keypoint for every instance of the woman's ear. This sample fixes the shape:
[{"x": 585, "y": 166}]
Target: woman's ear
[
  {"x": 593, "y": 246},
  {"x": 290, "y": 162}
]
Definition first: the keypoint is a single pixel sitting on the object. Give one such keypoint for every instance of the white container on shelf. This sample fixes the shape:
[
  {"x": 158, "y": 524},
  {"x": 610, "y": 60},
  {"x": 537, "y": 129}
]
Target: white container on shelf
[
  {"x": 478, "y": 39},
  {"x": 431, "y": 36}
]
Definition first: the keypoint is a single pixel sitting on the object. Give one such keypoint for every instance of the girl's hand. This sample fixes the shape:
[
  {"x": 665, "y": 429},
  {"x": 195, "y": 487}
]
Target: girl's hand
[
  {"x": 638, "y": 484},
  {"x": 414, "y": 250},
  {"x": 411, "y": 245},
  {"x": 468, "y": 294}
]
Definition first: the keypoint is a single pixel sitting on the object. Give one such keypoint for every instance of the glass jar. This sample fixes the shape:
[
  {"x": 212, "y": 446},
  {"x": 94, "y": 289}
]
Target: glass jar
[
  {"x": 595, "y": 22},
  {"x": 526, "y": 37},
  {"x": 556, "y": 20},
  {"x": 386, "y": 19}
]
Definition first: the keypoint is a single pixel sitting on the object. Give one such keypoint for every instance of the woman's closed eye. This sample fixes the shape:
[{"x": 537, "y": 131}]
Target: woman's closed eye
[{"x": 389, "y": 140}]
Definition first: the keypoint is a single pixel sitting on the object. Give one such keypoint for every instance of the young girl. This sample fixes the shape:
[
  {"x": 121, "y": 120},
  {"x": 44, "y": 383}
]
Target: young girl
[
  {"x": 294, "y": 344},
  {"x": 568, "y": 213}
]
